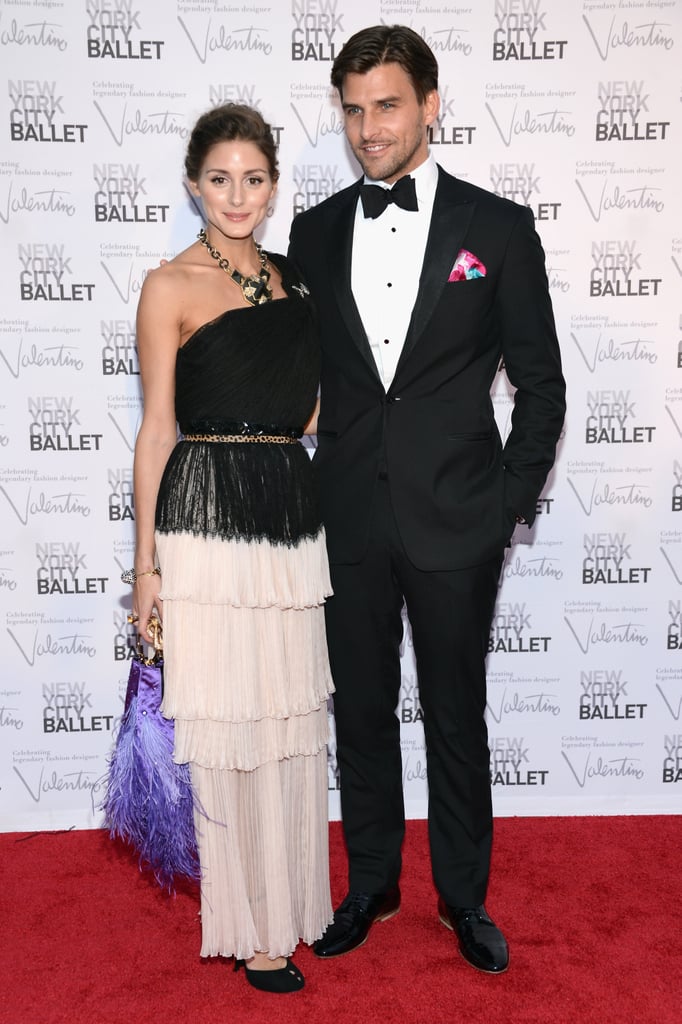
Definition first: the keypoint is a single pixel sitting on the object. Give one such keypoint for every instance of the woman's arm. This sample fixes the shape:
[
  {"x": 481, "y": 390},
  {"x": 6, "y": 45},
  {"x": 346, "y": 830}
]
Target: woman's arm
[
  {"x": 311, "y": 425},
  {"x": 158, "y": 339}
]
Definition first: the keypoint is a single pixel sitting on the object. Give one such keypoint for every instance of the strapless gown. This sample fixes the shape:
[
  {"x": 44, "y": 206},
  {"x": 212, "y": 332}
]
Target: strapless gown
[{"x": 244, "y": 578}]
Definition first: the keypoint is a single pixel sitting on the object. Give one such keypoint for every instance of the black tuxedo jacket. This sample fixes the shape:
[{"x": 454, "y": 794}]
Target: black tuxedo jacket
[{"x": 455, "y": 488}]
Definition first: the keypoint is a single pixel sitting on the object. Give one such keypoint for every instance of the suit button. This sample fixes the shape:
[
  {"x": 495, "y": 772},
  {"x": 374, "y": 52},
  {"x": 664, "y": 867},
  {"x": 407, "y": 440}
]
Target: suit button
[{"x": 392, "y": 398}]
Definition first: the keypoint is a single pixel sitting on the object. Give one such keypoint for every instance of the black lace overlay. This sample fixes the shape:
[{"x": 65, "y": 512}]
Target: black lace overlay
[
  {"x": 253, "y": 366},
  {"x": 247, "y": 490}
]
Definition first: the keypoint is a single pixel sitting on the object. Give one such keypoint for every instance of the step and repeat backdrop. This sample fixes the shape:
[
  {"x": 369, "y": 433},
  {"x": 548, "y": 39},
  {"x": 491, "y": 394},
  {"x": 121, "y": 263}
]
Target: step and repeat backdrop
[{"x": 571, "y": 108}]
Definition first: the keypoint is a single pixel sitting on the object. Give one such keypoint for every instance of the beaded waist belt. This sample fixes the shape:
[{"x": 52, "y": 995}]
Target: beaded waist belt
[
  {"x": 263, "y": 438},
  {"x": 227, "y": 432}
]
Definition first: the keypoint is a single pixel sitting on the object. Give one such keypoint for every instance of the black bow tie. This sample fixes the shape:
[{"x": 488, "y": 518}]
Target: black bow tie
[{"x": 375, "y": 199}]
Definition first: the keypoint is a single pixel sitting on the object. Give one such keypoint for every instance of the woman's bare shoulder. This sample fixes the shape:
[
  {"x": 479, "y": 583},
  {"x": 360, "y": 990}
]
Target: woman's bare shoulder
[{"x": 171, "y": 277}]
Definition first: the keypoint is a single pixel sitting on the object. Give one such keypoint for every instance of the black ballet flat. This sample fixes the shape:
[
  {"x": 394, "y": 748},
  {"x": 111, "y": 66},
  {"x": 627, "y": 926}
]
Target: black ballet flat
[{"x": 286, "y": 979}]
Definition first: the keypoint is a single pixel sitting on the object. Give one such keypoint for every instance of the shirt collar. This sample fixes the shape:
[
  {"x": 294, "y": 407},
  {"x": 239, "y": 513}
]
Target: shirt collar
[{"x": 425, "y": 180}]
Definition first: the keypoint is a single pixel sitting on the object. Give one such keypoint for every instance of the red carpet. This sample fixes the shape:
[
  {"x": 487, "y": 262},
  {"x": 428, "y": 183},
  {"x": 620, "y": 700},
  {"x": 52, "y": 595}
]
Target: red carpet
[{"x": 592, "y": 908}]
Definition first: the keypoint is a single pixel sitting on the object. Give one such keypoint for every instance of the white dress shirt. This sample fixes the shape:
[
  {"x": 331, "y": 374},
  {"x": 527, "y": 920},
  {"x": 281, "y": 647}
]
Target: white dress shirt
[{"x": 388, "y": 253}]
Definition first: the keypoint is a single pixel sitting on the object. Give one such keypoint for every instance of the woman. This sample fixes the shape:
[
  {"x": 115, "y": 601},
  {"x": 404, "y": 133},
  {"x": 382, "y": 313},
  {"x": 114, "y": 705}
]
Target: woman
[{"x": 228, "y": 353}]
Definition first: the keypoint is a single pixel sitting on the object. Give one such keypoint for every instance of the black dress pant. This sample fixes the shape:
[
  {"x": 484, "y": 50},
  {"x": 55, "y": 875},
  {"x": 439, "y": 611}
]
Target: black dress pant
[{"x": 450, "y": 614}]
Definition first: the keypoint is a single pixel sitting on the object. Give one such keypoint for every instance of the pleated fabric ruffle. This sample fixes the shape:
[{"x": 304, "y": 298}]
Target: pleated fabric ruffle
[
  {"x": 243, "y": 664},
  {"x": 247, "y": 745},
  {"x": 246, "y": 678},
  {"x": 247, "y": 653},
  {"x": 244, "y": 573},
  {"x": 263, "y": 844}
]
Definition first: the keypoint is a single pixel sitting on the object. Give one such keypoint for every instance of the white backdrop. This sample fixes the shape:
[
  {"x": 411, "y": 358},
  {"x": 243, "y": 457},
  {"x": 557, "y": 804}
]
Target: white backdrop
[{"x": 571, "y": 108}]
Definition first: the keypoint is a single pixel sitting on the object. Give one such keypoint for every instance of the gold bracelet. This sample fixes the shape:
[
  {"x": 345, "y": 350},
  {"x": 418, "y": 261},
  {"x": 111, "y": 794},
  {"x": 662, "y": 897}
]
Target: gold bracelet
[{"x": 130, "y": 576}]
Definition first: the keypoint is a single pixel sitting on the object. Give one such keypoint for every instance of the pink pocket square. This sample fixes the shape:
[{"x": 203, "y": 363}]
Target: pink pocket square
[{"x": 466, "y": 267}]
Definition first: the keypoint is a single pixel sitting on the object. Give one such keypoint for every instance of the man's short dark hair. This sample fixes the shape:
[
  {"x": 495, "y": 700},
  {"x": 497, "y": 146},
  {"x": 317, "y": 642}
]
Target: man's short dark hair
[{"x": 388, "y": 44}]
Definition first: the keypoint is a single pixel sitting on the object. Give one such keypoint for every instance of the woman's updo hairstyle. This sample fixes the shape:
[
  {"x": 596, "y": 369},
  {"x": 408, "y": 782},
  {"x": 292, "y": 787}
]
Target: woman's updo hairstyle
[{"x": 226, "y": 123}]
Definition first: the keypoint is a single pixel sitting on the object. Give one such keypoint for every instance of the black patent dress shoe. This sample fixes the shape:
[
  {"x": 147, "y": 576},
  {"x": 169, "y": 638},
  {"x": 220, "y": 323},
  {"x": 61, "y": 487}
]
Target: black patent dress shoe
[
  {"x": 480, "y": 940},
  {"x": 353, "y": 920}
]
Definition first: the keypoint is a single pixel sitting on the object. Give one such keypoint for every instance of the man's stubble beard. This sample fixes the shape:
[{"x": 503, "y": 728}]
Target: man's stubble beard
[{"x": 395, "y": 163}]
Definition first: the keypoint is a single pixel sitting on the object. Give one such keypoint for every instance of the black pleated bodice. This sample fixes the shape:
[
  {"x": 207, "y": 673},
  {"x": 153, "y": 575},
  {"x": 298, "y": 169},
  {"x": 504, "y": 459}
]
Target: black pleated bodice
[{"x": 258, "y": 366}]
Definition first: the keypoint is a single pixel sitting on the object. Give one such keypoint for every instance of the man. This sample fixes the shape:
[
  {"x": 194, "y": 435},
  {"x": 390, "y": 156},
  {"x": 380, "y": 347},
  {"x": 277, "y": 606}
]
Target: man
[{"x": 417, "y": 308}]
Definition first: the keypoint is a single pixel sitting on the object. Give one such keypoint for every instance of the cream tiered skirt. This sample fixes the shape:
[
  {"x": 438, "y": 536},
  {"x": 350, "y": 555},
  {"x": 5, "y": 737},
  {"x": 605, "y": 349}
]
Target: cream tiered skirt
[{"x": 246, "y": 678}]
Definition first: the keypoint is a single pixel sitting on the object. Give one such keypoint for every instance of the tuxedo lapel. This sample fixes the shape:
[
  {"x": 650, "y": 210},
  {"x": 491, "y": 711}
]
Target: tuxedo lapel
[
  {"x": 449, "y": 222},
  {"x": 340, "y": 222}
]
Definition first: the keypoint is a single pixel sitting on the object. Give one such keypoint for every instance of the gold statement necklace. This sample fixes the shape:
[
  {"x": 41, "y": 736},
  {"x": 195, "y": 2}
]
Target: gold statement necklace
[{"x": 255, "y": 288}]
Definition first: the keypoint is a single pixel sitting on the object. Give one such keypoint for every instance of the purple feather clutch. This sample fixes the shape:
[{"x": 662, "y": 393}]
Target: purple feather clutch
[{"x": 149, "y": 801}]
